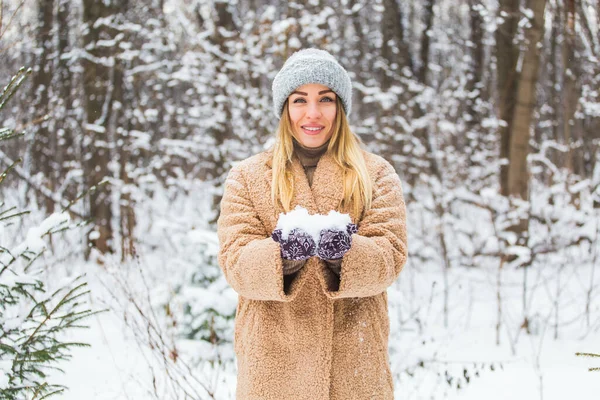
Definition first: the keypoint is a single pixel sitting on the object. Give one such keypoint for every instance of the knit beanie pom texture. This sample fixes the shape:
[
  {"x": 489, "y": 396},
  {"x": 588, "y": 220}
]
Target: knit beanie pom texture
[{"x": 311, "y": 66}]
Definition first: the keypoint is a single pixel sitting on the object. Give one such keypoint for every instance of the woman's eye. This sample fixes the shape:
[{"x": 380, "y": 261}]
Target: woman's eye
[{"x": 303, "y": 100}]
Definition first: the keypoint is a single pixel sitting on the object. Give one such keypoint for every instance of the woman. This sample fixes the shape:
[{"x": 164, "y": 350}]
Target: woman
[{"x": 312, "y": 323}]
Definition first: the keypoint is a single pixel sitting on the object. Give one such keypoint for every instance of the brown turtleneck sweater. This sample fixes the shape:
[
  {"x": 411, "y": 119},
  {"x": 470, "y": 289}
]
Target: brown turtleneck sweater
[{"x": 309, "y": 158}]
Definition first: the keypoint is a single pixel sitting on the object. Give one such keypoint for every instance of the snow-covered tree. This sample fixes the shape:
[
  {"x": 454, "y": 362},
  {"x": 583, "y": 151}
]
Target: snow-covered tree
[{"x": 34, "y": 315}]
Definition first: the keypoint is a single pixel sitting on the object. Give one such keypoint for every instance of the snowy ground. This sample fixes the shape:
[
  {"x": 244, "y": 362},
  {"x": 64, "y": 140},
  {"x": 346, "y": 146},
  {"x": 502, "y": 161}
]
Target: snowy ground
[
  {"x": 131, "y": 360},
  {"x": 118, "y": 367}
]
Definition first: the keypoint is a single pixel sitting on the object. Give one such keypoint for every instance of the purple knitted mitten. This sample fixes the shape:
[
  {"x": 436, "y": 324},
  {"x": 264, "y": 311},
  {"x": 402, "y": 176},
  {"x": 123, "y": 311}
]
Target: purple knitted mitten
[
  {"x": 333, "y": 244},
  {"x": 299, "y": 245}
]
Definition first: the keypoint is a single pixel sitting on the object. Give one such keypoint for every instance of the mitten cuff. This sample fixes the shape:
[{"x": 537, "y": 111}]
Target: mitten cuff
[
  {"x": 335, "y": 265},
  {"x": 292, "y": 266}
]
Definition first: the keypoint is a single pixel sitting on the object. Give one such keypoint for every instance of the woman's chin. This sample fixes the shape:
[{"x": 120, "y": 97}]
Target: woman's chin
[{"x": 312, "y": 140}]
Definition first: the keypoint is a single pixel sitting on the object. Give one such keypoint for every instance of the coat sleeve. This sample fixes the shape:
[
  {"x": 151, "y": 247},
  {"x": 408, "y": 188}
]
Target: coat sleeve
[
  {"x": 379, "y": 248},
  {"x": 248, "y": 256}
]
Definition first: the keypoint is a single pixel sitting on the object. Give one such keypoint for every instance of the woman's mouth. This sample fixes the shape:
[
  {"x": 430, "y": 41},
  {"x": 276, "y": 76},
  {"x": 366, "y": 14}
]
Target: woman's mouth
[{"x": 312, "y": 129}]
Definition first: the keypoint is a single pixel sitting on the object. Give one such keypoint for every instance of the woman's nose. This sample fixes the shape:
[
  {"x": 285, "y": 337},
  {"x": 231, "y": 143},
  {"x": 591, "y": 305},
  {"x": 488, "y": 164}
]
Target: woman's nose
[{"x": 313, "y": 111}]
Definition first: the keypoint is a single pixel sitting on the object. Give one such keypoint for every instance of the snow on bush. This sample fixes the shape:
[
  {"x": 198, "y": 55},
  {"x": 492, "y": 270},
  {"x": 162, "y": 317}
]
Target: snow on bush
[{"x": 33, "y": 316}]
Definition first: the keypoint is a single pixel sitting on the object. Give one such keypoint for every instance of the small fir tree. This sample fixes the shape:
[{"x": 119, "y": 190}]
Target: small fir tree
[{"x": 33, "y": 319}]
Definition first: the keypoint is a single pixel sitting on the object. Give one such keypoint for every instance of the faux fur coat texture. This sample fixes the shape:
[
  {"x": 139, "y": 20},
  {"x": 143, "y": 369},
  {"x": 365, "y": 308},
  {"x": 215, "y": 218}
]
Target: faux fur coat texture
[{"x": 319, "y": 336}]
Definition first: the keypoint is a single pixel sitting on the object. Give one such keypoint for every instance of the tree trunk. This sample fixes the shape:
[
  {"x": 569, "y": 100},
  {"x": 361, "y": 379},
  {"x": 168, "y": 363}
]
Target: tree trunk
[
  {"x": 360, "y": 37},
  {"x": 127, "y": 218},
  {"x": 475, "y": 86},
  {"x": 554, "y": 77},
  {"x": 66, "y": 152},
  {"x": 222, "y": 133},
  {"x": 506, "y": 62},
  {"x": 123, "y": 100},
  {"x": 588, "y": 130},
  {"x": 394, "y": 49},
  {"x": 425, "y": 40},
  {"x": 360, "y": 65},
  {"x": 98, "y": 104},
  {"x": 518, "y": 176},
  {"x": 569, "y": 86},
  {"x": 295, "y": 10},
  {"x": 475, "y": 76},
  {"x": 422, "y": 133},
  {"x": 44, "y": 139}
]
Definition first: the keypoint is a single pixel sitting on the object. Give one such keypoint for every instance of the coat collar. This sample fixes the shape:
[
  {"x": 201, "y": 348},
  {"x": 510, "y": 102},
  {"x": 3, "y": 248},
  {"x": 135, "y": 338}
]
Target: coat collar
[{"x": 326, "y": 192}]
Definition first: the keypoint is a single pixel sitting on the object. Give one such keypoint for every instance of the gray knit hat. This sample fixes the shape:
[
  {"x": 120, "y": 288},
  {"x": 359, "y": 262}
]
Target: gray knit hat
[{"x": 311, "y": 66}]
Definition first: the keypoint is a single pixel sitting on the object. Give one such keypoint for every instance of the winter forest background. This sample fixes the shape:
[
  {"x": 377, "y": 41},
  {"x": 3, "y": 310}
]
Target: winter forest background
[{"x": 129, "y": 114}]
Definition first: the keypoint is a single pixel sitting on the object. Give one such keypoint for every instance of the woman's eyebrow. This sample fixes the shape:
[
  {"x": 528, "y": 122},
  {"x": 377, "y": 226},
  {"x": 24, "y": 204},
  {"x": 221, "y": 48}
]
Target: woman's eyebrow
[{"x": 306, "y": 94}]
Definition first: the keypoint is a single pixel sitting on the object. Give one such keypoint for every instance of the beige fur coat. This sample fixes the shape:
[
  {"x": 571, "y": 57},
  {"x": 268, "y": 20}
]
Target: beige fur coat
[{"x": 322, "y": 336}]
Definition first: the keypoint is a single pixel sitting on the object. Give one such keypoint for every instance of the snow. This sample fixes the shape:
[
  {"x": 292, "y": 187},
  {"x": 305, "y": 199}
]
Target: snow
[
  {"x": 3, "y": 377},
  {"x": 118, "y": 366},
  {"x": 299, "y": 218},
  {"x": 34, "y": 241},
  {"x": 121, "y": 364},
  {"x": 127, "y": 359},
  {"x": 115, "y": 367},
  {"x": 95, "y": 128},
  {"x": 10, "y": 278},
  {"x": 455, "y": 312}
]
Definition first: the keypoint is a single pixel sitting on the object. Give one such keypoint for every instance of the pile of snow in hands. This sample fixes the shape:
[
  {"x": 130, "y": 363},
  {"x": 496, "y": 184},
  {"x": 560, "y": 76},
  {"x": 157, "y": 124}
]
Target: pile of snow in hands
[{"x": 299, "y": 218}]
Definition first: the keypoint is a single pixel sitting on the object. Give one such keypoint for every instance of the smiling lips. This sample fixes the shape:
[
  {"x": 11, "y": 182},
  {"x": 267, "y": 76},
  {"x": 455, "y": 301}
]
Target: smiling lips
[{"x": 312, "y": 129}]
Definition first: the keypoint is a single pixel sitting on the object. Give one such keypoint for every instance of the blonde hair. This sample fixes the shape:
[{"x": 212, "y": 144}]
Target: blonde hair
[{"x": 346, "y": 151}]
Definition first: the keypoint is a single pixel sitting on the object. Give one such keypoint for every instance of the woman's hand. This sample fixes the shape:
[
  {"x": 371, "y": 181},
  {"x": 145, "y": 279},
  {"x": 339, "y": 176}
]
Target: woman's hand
[
  {"x": 333, "y": 244},
  {"x": 299, "y": 245}
]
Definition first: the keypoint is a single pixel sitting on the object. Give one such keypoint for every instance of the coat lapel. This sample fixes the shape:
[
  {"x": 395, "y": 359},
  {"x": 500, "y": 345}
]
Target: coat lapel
[
  {"x": 303, "y": 195},
  {"x": 276, "y": 209},
  {"x": 328, "y": 185},
  {"x": 327, "y": 189}
]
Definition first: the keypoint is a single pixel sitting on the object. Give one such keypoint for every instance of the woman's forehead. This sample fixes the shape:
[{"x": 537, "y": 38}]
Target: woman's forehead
[{"x": 312, "y": 88}]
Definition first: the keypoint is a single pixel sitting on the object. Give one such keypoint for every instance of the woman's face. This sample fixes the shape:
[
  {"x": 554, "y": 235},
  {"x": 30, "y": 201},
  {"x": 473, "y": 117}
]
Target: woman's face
[{"x": 312, "y": 109}]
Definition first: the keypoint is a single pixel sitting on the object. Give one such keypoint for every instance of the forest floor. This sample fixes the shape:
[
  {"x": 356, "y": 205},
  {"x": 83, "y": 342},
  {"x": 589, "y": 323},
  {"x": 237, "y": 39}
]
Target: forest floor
[{"x": 118, "y": 367}]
